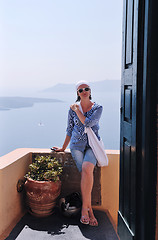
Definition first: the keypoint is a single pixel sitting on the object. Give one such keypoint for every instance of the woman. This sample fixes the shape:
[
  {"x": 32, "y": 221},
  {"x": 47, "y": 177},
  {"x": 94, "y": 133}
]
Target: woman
[{"x": 80, "y": 149}]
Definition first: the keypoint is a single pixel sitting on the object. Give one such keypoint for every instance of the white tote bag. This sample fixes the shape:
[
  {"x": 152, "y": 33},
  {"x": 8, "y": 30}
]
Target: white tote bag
[{"x": 96, "y": 145}]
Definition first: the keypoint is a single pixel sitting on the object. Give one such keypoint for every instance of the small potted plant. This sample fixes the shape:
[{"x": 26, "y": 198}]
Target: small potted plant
[{"x": 43, "y": 185}]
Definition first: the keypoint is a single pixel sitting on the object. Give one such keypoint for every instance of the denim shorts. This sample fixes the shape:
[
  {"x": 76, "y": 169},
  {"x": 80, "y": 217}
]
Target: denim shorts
[{"x": 80, "y": 157}]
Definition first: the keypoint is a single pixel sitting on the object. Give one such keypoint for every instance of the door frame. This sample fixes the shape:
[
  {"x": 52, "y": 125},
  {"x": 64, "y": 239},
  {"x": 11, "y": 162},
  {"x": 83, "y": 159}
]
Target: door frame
[{"x": 147, "y": 150}]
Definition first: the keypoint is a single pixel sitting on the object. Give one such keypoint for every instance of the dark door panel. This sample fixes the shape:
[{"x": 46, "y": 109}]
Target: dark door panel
[{"x": 126, "y": 216}]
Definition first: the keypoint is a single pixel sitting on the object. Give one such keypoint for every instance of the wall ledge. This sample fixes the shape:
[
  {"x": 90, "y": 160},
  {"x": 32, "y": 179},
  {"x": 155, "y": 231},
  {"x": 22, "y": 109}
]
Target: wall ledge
[{"x": 15, "y": 155}]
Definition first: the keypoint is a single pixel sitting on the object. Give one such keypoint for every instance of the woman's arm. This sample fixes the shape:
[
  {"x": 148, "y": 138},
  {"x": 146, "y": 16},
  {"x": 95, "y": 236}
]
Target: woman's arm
[
  {"x": 70, "y": 126},
  {"x": 66, "y": 142},
  {"x": 94, "y": 118},
  {"x": 88, "y": 121}
]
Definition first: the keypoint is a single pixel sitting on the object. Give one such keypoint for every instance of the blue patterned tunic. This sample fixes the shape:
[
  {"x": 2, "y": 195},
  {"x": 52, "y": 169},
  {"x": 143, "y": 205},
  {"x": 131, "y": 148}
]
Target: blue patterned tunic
[{"x": 75, "y": 128}]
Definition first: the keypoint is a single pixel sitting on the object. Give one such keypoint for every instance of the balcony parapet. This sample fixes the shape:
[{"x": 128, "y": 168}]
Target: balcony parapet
[{"x": 14, "y": 165}]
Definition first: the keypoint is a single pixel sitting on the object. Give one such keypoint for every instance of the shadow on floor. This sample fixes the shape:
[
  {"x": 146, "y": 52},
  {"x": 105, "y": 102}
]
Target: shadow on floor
[{"x": 58, "y": 227}]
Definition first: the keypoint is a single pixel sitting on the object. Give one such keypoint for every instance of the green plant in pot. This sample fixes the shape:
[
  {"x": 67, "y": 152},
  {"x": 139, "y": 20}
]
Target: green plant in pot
[{"x": 43, "y": 185}]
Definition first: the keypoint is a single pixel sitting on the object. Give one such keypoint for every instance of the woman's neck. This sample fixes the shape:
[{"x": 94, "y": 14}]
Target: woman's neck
[
  {"x": 86, "y": 105},
  {"x": 86, "y": 102}
]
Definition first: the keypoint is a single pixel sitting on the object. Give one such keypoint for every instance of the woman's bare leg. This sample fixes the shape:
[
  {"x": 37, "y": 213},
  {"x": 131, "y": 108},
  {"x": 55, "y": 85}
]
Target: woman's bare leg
[{"x": 86, "y": 190}]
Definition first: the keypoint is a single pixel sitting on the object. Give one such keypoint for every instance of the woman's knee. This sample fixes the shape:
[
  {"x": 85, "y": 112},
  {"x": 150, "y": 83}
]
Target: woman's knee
[{"x": 87, "y": 168}]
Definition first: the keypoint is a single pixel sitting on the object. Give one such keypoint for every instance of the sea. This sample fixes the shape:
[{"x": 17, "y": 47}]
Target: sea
[{"x": 44, "y": 124}]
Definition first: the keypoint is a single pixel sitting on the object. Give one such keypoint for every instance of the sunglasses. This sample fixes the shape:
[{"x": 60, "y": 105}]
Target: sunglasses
[{"x": 81, "y": 89}]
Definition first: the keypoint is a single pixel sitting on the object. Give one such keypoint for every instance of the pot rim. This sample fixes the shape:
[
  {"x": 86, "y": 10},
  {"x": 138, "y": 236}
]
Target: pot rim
[{"x": 32, "y": 180}]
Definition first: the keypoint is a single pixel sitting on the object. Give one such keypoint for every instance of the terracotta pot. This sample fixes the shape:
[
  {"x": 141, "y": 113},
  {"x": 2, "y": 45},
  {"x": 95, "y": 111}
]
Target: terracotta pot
[{"x": 41, "y": 196}]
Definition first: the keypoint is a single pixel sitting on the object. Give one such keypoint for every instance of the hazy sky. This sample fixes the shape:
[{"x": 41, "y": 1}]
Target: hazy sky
[{"x": 44, "y": 42}]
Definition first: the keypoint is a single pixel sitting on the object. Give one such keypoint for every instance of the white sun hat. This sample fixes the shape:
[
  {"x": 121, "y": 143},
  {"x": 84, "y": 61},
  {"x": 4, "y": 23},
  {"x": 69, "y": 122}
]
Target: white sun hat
[{"x": 80, "y": 83}]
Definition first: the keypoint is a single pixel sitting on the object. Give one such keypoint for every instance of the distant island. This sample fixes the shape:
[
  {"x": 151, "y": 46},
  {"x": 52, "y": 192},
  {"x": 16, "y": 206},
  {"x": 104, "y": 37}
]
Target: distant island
[
  {"x": 8, "y": 103},
  {"x": 100, "y": 86}
]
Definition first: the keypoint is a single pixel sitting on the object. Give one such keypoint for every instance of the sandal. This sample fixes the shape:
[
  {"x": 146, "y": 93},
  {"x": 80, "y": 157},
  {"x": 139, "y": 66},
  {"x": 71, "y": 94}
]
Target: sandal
[
  {"x": 93, "y": 222},
  {"x": 85, "y": 219}
]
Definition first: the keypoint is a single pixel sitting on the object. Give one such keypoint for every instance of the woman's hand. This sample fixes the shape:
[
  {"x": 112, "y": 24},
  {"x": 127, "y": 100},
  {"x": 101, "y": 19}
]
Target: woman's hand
[
  {"x": 62, "y": 149},
  {"x": 74, "y": 107},
  {"x": 57, "y": 149}
]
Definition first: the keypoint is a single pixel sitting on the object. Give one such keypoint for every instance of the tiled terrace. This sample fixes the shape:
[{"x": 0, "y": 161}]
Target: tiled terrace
[{"x": 59, "y": 227}]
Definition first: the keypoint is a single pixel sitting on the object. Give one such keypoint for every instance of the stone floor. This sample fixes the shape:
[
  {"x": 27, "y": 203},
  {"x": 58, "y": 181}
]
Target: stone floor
[{"x": 58, "y": 227}]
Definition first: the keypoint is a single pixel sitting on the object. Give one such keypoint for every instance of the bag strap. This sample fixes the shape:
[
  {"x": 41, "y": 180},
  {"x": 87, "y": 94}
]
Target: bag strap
[
  {"x": 80, "y": 107},
  {"x": 81, "y": 110}
]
